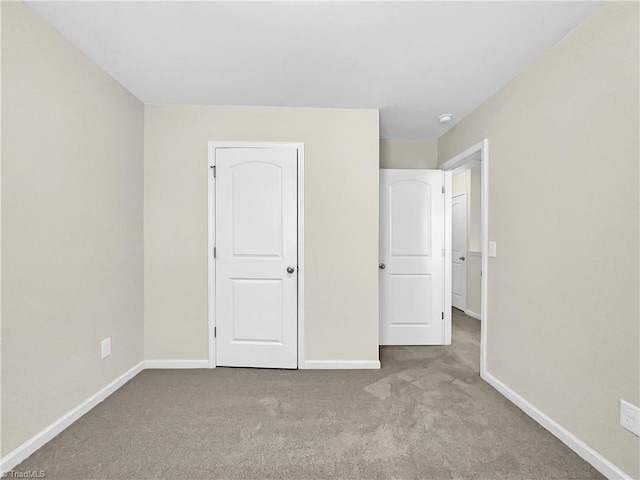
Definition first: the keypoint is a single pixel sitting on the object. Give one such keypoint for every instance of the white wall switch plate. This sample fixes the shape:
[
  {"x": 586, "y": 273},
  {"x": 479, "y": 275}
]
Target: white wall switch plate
[
  {"x": 630, "y": 417},
  {"x": 105, "y": 347},
  {"x": 492, "y": 249}
]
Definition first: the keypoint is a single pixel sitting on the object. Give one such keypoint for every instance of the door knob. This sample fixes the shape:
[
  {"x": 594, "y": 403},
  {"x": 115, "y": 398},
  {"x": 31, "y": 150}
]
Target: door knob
[
  {"x": 382, "y": 266},
  {"x": 290, "y": 269},
  {"x": 462, "y": 258}
]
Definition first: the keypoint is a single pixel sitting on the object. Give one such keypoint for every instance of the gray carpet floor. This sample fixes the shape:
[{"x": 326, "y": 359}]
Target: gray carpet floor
[{"x": 425, "y": 415}]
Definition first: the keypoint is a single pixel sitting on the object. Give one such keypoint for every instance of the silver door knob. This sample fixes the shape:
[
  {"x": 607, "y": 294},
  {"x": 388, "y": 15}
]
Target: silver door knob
[
  {"x": 290, "y": 269},
  {"x": 462, "y": 258},
  {"x": 382, "y": 266}
]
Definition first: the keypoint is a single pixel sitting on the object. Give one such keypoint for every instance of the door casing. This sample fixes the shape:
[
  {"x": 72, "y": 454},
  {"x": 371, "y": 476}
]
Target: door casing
[
  {"x": 477, "y": 153},
  {"x": 211, "y": 239}
]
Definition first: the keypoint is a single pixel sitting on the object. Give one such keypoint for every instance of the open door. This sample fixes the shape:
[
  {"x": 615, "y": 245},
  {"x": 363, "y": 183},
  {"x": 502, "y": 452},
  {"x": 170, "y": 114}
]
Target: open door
[{"x": 412, "y": 257}]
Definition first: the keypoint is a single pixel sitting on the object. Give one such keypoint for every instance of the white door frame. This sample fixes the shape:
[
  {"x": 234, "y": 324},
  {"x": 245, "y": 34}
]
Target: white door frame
[
  {"x": 463, "y": 161},
  {"x": 211, "y": 241}
]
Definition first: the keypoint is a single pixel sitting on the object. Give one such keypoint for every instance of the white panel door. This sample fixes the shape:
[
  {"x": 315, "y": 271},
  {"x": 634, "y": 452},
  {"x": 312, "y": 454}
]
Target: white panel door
[
  {"x": 256, "y": 257},
  {"x": 459, "y": 251},
  {"x": 411, "y": 257}
]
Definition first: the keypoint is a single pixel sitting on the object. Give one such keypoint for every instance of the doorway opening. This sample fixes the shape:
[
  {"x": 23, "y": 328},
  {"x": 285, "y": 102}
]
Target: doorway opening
[{"x": 468, "y": 216}]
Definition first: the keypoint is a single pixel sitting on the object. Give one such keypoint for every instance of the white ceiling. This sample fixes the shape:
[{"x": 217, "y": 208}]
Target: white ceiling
[{"x": 412, "y": 60}]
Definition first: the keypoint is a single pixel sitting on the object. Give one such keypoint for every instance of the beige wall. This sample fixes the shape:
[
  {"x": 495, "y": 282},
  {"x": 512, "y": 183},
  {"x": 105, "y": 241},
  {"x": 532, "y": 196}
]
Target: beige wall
[
  {"x": 71, "y": 225},
  {"x": 475, "y": 210},
  {"x": 461, "y": 183},
  {"x": 469, "y": 182},
  {"x": 341, "y": 223},
  {"x": 563, "y": 316},
  {"x": 408, "y": 153}
]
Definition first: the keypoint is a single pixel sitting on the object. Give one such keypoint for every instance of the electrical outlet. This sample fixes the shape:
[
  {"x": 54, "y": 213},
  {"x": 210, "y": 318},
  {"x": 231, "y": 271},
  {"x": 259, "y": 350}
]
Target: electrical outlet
[
  {"x": 492, "y": 249},
  {"x": 105, "y": 347},
  {"x": 630, "y": 417}
]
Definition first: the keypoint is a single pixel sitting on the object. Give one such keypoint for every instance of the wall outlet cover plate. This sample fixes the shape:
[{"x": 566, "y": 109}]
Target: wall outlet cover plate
[
  {"x": 630, "y": 417},
  {"x": 105, "y": 347}
]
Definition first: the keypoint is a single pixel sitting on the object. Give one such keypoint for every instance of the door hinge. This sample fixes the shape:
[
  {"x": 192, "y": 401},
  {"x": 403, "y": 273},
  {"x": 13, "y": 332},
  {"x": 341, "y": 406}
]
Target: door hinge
[
  {"x": 442, "y": 315},
  {"x": 215, "y": 332},
  {"x": 213, "y": 167},
  {"x": 214, "y": 252},
  {"x": 443, "y": 189},
  {"x": 443, "y": 252}
]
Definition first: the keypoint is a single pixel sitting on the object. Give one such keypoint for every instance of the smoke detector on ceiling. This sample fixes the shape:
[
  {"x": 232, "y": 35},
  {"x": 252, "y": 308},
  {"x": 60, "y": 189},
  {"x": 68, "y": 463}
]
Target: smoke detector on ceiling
[{"x": 445, "y": 118}]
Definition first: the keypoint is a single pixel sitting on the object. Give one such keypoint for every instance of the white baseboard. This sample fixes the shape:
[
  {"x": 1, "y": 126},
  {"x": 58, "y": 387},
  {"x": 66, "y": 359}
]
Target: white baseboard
[
  {"x": 472, "y": 314},
  {"x": 587, "y": 453},
  {"x": 337, "y": 365},
  {"x": 19, "y": 454},
  {"x": 171, "y": 364}
]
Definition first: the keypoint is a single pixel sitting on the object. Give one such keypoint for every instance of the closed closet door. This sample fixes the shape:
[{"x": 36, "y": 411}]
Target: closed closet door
[{"x": 256, "y": 257}]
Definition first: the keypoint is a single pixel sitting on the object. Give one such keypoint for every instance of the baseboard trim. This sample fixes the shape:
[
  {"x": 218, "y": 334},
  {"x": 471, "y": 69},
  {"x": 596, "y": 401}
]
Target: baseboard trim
[
  {"x": 22, "y": 452},
  {"x": 587, "y": 453},
  {"x": 338, "y": 365},
  {"x": 173, "y": 364},
  {"x": 472, "y": 314}
]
